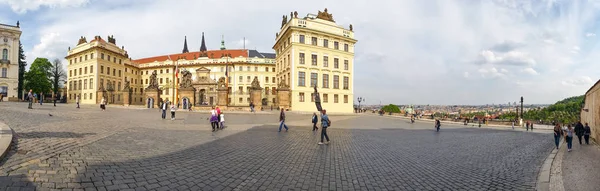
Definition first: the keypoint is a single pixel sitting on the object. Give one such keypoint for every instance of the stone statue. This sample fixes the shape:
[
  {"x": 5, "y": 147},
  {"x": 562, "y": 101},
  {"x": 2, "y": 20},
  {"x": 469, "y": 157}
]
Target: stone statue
[
  {"x": 291, "y": 15},
  {"x": 282, "y": 85},
  {"x": 325, "y": 16},
  {"x": 255, "y": 84},
  {"x": 317, "y": 100},
  {"x": 153, "y": 83},
  {"x": 295, "y": 14},
  {"x": 284, "y": 21},
  {"x": 126, "y": 85},
  {"x": 221, "y": 82},
  {"x": 82, "y": 40},
  {"x": 350, "y": 27},
  {"x": 186, "y": 79}
]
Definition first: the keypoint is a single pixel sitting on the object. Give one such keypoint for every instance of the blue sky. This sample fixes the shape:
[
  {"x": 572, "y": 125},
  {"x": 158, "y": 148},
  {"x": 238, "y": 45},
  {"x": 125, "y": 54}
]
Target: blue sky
[{"x": 408, "y": 51}]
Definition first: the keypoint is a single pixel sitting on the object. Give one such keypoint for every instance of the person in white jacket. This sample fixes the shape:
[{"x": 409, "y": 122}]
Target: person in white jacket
[{"x": 222, "y": 120}]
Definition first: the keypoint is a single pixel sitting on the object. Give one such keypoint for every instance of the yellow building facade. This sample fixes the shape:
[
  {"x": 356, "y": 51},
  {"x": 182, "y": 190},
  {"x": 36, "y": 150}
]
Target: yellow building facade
[
  {"x": 101, "y": 65},
  {"x": 315, "y": 51},
  {"x": 9, "y": 61}
]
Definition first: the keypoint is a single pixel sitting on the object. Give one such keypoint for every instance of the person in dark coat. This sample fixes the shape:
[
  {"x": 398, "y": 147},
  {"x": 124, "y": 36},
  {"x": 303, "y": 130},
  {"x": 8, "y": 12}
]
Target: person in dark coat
[
  {"x": 315, "y": 119},
  {"x": 282, "y": 120},
  {"x": 587, "y": 131},
  {"x": 579, "y": 131}
]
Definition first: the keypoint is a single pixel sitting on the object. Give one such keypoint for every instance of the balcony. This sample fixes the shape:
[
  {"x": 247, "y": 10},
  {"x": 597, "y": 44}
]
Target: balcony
[{"x": 4, "y": 61}]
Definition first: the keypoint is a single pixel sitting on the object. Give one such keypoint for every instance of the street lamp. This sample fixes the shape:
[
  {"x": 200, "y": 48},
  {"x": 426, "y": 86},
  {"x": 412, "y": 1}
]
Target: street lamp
[{"x": 360, "y": 99}]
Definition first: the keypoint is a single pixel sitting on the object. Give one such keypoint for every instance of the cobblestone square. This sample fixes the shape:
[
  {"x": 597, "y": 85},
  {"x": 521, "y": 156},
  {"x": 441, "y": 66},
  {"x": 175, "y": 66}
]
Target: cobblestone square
[{"x": 133, "y": 149}]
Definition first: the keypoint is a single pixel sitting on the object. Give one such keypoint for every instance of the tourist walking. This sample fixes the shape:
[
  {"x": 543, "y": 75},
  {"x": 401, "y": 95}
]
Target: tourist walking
[
  {"x": 513, "y": 125},
  {"x": 103, "y": 104},
  {"x": 30, "y": 99},
  {"x": 54, "y": 95},
  {"x": 569, "y": 137},
  {"x": 77, "y": 101},
  {"x": 282, "y": 120},
  {"x": 164, "y": 106},
  {"x": 557, "y": 134},
  {"x": 438, "y": 124},
  {"x": 222, "y": 120},
  {"x": 41, "y": 98},
  {"x": 173, "y": 108},
  {"x": 587, "y": 131},
  {"x": 579, "y": 131},
  {"x": 218, "y": 110},
  {"x": 214, "y": 119},
  {"x": 251, "y": 106},
  {"x": 324, "y": 124},
  {"x": 315, "y": 119}
]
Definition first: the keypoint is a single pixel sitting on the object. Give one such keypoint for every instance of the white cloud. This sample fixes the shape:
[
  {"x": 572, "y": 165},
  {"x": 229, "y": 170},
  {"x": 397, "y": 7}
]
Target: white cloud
[
  {"x": 515, "y": 58},
  {"x": 578, "y": 81},
  {"x": 529, "y": 71},
  {"x": 22, "y": 6},
  {"x": 590, "y": 34},
  {"x": 50, "y": 46},
  {"x": 466, "y": 74}
]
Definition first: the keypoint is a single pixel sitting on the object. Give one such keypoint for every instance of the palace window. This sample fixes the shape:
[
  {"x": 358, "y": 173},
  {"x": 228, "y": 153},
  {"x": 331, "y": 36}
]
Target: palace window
[
  {"x": 108, "y": 70},
  {"x": 266, "y": 69},
  {"x": 273, "y": 79},
  {"x": 85, "y": 84},
  {"x": 241, "y": 68},
  {"x": 314, "y": 78},
  {"x": 336, "y": 82},
  {"x": 114, "y": 72},
  {"x": 335, "y": 98},
  {"x": 4, "y": 72},
  {"x": 102, "y": 56},
  {"x": 108, "y": 56},
  {"x": 336, "y": 45},
  {"x": 80, "y": 84},
  {"x": 314, "y": 59},
  {"x": 325, "y": 80},
  {"x": 302, "y": 58},
  {"x": 274, "y": 91},
  {"x": 70, "y": 73},
  {"x": 91, "y": 84},
  {"x": 91, "y": 57},
  {"x": 119, "y": 86},
  {"x": 273, "y": 69},
  {"x": 161, "y": 80},
  {"x": 266, "y": 79},
  {"x": 301, "y": 79},
  {"x": 241, "y": 79},
  {"x": 325, "y": 43},
  {"x": 241, "y": 100},
  {"x": 301, "y": 97},
  {"x": 325, "y": 61},
  {"x": 325, "y": 100},
  {"x": 115, "y": 59},
  {"x": 346, "y": 65},
  {"x": 345, "y": 98},
  {"x": 80, "y": 58},
  {"x": 119, "y": 73},
  {"x": 80, "y": 71},
  {"x": 146, "y": 81},
  {"x": 248, "y": 79},
  {"x": 102, "y": 69},
  {"x": 247, "y": 68},
  {"x": 241, "y": 90},
  {"x": 312, "y": 97},
  {"x": 85, "y": 70},
  {"x": 336, "y": 63},
  {"x": 75, "y": 72},
  {"x": 5, "y": 54},
  {"x": 119, "y": 61},
  {"x": 267, "y": 90},
  {"x": 91, "y": 69},
  {"x": 346, "y": 82},
  {"x": 302, "y": 39},
  {"x": 86, "y": 57},
  {"x": 346, "y": 47},
  {"x": 256, "y": 69},
  {"x": 314, "y": 41}
]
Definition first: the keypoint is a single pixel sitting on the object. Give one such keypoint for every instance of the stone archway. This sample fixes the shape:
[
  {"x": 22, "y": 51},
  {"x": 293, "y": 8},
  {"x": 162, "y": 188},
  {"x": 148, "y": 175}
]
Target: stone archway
[
  {"x": 186, "y": 102},
  {"x": 150, "y": 102},
  {"x": 202, "y": 97}
]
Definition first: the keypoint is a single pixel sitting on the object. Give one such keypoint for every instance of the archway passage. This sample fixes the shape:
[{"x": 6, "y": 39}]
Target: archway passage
[
  {"x": 150, "y": 102},
  {"x": 185, "y": 102},
  {"x": 265, "y": 101}
]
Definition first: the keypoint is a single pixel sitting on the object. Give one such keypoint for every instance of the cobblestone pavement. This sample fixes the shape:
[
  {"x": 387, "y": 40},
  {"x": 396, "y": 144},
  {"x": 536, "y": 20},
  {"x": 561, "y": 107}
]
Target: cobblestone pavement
[
  {"x": 580, "y": 167},
  {"x": 125, "y": 149}
]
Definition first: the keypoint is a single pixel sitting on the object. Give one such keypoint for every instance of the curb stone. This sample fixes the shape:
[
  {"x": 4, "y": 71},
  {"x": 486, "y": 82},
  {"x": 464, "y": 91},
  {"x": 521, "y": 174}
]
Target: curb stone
[
  {"x": 6, "y": 136},
  {"x": 543, "y": 179}
]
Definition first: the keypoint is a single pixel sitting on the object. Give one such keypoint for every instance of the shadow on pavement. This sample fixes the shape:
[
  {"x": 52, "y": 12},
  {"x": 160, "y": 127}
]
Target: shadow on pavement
[{"x": 16, "y": 182}]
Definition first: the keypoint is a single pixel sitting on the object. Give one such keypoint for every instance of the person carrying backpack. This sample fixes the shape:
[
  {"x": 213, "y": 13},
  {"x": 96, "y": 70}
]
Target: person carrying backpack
[
  {"x": 315, "y": 119},
  {"x": 325, "y": 122}
]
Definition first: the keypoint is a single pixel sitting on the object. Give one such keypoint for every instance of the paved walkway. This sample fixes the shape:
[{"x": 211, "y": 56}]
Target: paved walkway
[
  {"x": 581, "y": 167},
  {"x": 124, "y": 149}
]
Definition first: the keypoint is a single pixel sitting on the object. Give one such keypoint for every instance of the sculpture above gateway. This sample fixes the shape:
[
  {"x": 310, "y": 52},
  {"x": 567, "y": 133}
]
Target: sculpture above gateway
[{"x": 325, "y": 16}]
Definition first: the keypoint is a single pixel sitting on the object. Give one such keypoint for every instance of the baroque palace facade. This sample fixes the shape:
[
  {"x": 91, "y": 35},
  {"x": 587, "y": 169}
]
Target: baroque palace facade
[
  {"x": 226, "y": 77},
  {"x": 9, "y": 61}
]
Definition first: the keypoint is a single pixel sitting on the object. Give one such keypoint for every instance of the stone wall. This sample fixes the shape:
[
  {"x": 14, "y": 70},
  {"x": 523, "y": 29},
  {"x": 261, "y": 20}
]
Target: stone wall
[{"x": 591, "y": 111}]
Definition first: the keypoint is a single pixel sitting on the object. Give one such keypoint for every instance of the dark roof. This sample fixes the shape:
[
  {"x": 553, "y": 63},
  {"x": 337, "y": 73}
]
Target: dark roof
[
  {"x": 9, "y": 25},
  {"x": 255, "y": 53}
]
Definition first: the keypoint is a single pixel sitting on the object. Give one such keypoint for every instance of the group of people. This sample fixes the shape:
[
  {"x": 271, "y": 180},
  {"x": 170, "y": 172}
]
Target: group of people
[
  {"x": 580, "y": 131},
  {"x": 217, "y": 119},
  {"x": 325, "y": 123}
]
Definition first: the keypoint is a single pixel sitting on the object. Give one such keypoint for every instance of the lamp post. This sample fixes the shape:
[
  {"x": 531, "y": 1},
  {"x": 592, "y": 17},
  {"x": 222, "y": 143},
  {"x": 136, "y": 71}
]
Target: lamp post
[{"x": 360, "y": 99}]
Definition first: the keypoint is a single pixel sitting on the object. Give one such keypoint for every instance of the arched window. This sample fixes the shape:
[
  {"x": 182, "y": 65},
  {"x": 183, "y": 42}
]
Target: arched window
[{"x": 5, "y": 54}]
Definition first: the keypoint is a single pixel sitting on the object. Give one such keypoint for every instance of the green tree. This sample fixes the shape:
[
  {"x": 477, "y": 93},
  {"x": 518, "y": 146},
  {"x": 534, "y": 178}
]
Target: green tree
[
  {"x": 37, "y": 78},
  {"x": 391, "y": 108},
  {"x": 22, "y": 64},
  {"x": 57, "y": 75}
]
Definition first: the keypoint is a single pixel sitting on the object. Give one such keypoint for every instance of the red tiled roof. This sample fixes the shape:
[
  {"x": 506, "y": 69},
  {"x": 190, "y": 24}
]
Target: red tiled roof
[{"x": 190, "y": 55}]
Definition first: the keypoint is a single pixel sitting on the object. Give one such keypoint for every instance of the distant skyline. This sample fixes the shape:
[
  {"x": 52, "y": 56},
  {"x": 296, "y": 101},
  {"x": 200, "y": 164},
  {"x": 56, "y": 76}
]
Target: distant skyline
[{"x": 454, "y": 52}]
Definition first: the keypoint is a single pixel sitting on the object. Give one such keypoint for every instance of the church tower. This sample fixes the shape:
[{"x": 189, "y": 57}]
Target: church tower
[{"x": 185, "y": 48}]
